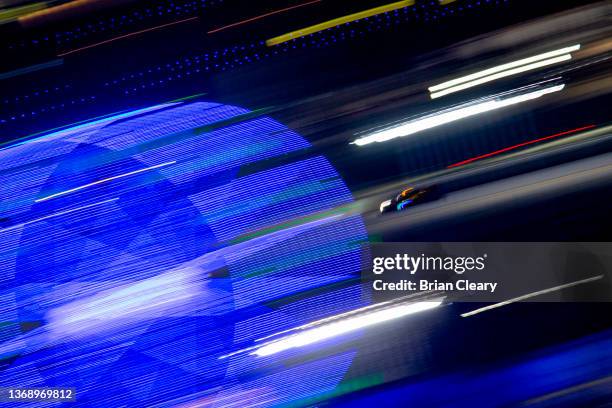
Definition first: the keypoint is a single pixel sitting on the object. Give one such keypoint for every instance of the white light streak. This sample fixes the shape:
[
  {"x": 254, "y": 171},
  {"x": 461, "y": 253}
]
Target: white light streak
[
  {"x": 530, "y": 295},
  {"x": 115, "y": 308},
  {"x": 46, "y": 217},
  {"x": 504, "y": 67},
  {"x": 500, "y": 75},
  {"x": 337, "y": 328},
  {"x": 72, "y": 190},
  {"x": 448, "y": 116}
]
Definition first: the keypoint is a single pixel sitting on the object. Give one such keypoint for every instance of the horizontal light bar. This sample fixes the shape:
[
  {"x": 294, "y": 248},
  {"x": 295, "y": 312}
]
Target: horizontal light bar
[
  {"x": 503, "y": 74},
  {"x": 449, "y": 116},
  {"x": 337, "y": 328},
  {"x": 504, "y": 67}
]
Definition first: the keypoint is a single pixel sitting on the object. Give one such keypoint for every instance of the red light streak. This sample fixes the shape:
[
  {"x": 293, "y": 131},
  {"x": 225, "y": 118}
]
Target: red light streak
[
  {"x": 126, "y": 36},
  {"x": 505, "y": 149},
  {"x": 248, "y": 20}
]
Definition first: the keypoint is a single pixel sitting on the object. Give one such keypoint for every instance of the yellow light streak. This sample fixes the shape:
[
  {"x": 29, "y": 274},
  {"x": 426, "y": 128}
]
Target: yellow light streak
[{"x": 337, "y": 21}]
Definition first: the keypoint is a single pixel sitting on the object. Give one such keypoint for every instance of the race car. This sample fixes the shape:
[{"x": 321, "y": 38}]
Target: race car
[{"x": 410, "y": 197}]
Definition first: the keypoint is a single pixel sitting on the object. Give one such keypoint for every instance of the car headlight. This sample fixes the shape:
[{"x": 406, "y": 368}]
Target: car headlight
[{"x": 384, "y": 205}]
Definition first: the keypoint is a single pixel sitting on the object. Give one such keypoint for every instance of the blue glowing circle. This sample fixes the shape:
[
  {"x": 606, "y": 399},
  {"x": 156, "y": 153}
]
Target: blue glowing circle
[{"x": 139, "y": 250}]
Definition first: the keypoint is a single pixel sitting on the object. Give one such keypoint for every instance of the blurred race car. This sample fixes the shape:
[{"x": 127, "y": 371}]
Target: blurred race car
[{"x": 410, "y": 197}]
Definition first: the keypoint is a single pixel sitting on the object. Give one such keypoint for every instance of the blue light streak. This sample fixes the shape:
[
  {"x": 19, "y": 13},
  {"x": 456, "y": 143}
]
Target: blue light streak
[{"x": 131, "y": 277}]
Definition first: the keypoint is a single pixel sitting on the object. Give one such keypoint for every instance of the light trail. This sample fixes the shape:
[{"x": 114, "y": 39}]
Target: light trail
[
  {"x": 117, "y": 307},
  {"x": 326, "y": 320},
  {"x": 32, "y": 68},
  {"x": 567, "y": 391},
  {"x": 447, "y": 116},
  {"x": 8, "y": 15},
  {"x": 12, "y": 227},
  {"x": 60, "y": 131},
  {"x": 531, "y": 295},
  {"x": 337, "y": 328},
  {"x": 65, "y": 10},
  {"x": 516, "y": 146},
  {"x": 248, "y": 20},
  {"x": 126, "y": 36},
  {"x": 499, "y": 75},
  {"x": 337, "y": 21},
  {"x": 72, "y": 190},
  {"x": 503, "y": 67}
]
